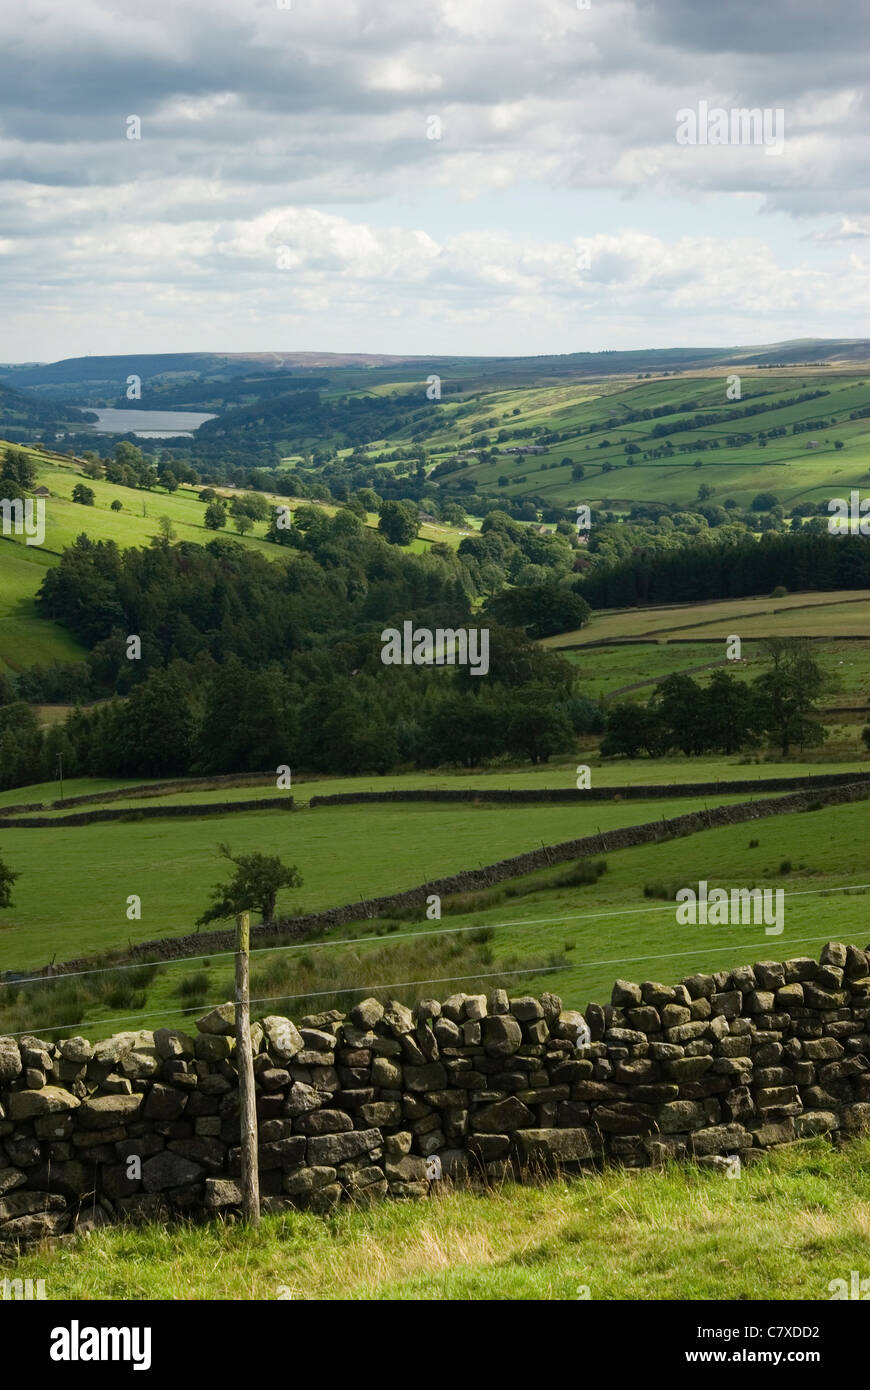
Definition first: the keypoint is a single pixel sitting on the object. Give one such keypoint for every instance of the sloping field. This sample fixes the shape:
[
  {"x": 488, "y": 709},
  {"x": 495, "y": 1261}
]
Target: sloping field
[
  {"x": 839, "y": 613},
  {"x": 557, "y": 929},
  {"x": 591, "y": 420},
  {"x": 25, "y": 638}
]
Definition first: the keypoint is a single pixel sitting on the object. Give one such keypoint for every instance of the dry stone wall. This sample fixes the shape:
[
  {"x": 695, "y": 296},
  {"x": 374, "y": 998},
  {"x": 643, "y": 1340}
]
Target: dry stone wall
[
  {"x": 573, "y": 796},
  {"x": 389, "y": 1101},
  {"x": 135, "y": 812}
]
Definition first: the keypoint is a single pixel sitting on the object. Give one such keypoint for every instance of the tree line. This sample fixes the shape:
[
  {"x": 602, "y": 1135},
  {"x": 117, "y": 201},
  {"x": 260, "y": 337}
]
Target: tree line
[
  {"x": 745, "y": 567},
  {"x": 779, "y": 706}
]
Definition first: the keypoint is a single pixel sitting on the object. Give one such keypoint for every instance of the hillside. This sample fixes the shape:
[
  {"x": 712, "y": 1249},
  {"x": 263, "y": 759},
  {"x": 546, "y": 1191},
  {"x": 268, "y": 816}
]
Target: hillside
[
  {"x": 25, "y": 415},
  {"x": 612, "y": 440},
  {"x": 28, "y": 639},
  {"x": 608, "y": 429},
  {"x": 161, "y": 367}
]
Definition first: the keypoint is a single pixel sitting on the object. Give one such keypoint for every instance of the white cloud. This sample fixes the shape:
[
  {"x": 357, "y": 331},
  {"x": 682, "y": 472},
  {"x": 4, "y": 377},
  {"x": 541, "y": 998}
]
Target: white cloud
[{"x": 257, "y": 122}]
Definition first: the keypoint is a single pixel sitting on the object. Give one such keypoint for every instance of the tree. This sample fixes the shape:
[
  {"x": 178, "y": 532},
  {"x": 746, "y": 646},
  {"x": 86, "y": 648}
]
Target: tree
[
  {"x": 728, "y": 713},
  {"x": 169, "y": 481},
  {"x": 215, "y": 516},
  {"x": 83, "y": 494},
  {"x": 166, "y": 528},
  {"x": 632, "y": 729},
  {"x": 678, "y": 700},
  {"x": 7, "y": 878},
  {"x": 255, "y": 884},
  {"x": 20, "y": 468},
  {"x": 452, "y": 514},
  {"x": 578, "y": 472},
  {"x": 536, "y": 727},
  {"x": 786, "y": 694},
  {"x": 540, "y": 609},
  {"x": 242, "y": 523},
  {"x": 464, "y": 730},
  {"x": 117, "y": 506},
  {"x": 763, "y": 501},
  {"x": 158, "y": 726},
  {"x": 399, "y": 522},
  {"x": 250, "y": 504}
]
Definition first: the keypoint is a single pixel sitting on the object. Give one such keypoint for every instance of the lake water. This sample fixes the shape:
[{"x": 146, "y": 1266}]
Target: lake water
[{"x": 150, "y": 424}]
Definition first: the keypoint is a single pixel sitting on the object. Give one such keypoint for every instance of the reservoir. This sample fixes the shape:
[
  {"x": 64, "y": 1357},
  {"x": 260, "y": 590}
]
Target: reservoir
[{"x": 150, "y": 424}]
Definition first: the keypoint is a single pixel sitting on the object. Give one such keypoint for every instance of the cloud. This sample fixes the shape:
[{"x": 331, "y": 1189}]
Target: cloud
[{"x": 257, "y": 122}]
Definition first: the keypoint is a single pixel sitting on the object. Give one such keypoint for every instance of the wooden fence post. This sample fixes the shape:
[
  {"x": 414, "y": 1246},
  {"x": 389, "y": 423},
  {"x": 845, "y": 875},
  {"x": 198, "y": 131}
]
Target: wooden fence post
[{"x": 245, "y": 1064}]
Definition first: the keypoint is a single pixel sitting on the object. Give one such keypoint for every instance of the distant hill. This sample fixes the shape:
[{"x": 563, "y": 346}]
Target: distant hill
[
  {"x": 108, "y": 374},
  {"x": 23, "y": 414}
]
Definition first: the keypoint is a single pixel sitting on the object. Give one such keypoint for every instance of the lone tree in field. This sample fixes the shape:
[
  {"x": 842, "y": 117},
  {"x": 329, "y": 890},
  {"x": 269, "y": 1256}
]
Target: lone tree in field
[
  {"x": 7, "y": 878},
  {"x": 255, "y": 884}
]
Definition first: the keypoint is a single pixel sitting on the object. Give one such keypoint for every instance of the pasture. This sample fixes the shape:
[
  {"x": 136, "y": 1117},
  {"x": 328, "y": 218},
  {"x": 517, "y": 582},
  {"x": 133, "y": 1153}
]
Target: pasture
[
  {"x": 565, "y": 928},
  {"x": 838, "y": 613},
  {"x": 593, "y": 428},
  {"x": 343, "y": 853}
]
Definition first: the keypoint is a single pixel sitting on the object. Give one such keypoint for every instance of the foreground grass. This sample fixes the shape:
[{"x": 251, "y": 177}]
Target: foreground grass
[{"x": 792, "y": 1222}]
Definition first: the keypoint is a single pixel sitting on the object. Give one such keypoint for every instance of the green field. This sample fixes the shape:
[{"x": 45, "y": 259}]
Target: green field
[
  {"x": 343, "y": 853},
  {"x": 25, "y": 638},
  {"x": 796, "y": 1221},
  {"x": 549, "y": 930},
  {"x": 580, "y": 414},
  {"x": 556, "y": 774},
  {"x": 627, "y": 668},
  {"x": 840, "y": 613}
]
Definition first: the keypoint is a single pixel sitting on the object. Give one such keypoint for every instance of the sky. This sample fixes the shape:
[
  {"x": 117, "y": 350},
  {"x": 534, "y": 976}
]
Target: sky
[{"x": 430, "y": 176}]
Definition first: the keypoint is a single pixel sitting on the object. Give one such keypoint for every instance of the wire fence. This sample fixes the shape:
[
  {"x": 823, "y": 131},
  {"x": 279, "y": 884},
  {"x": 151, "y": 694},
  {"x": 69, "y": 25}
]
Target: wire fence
[{"x": 393, "y": 938}]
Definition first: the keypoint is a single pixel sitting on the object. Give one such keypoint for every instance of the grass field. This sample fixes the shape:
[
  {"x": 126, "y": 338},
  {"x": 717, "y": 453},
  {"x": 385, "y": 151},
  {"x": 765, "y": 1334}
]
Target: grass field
[
  {"x": 795, "y": 1221},
  {"x": 343, "y": 853},
  {"x": 797, "y": 1218},
  {"x": 627, "y": 668},
  {"x": 553, "y": 929},
  {"x": 840, "y": 613},
  {"x": 556, "y": 774},
  {"x": 589, "y": 418},
  {"x": 25, "y": 638}
]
